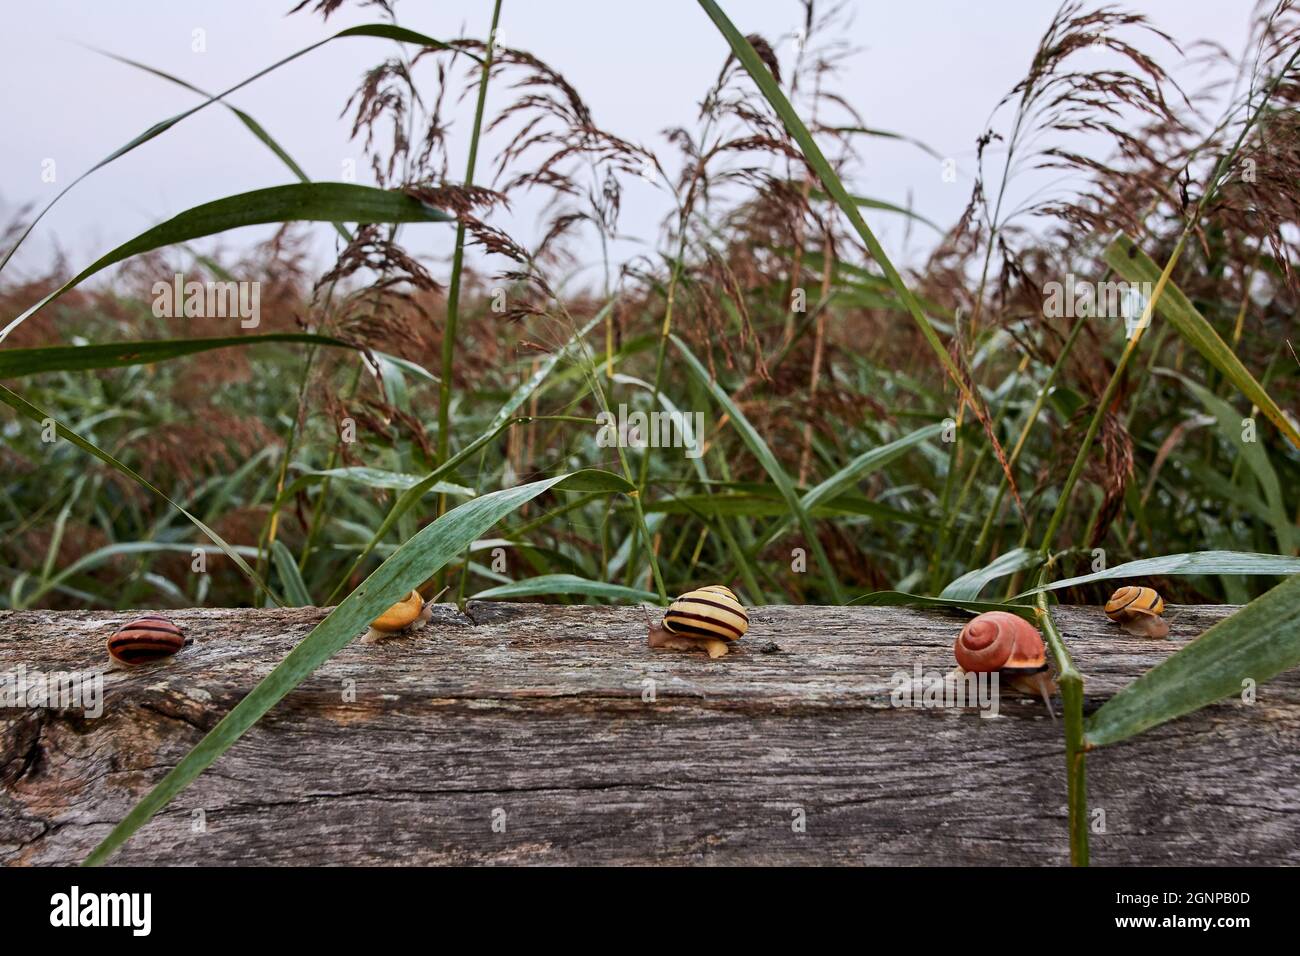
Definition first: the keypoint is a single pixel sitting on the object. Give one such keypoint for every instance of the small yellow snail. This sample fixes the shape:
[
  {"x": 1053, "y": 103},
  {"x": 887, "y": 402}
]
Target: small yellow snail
[
  {"x": 406, "y": 615},
  {"x": 1138, "y": 611},
  {"x": 1005, "y": 643},
  {"x": 707, "y": 619},
  {"x": 145, "y": 639}
]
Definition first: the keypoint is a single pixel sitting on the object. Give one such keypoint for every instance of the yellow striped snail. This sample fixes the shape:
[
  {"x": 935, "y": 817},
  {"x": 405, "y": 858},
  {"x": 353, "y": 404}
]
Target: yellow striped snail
[
  {"x": 1005, "y": 643},
  {"x": 1138, "y": 611},
  {"x": 148, "y": 638},
  {"x": 408, "y": 614},
  {"x": 708, "y": 619}
]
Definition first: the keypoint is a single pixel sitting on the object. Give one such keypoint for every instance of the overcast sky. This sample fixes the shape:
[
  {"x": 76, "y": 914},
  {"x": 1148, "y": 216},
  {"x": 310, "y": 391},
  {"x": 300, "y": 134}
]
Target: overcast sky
[{"x": 932, "y": 69}]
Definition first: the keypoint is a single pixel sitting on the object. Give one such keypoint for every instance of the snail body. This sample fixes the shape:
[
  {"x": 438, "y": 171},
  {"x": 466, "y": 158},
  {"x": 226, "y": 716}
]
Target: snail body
[
  {"x": 407, "y": 614},
  {"x": 1138, "y": 611},
  {"x": 1005, "y": 643},
  {"x": 709, "y": 618},
  {"x": 148, "y": 638}
]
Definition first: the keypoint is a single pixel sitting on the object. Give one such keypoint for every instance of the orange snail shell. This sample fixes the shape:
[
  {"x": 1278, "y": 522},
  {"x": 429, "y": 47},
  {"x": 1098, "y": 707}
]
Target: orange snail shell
[{"x": 1000, "y": 641}]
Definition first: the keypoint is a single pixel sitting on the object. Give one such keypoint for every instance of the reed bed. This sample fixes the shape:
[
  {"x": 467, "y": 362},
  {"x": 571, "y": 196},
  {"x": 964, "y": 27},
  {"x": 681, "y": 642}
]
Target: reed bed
[{"x": 965, "y": 431}]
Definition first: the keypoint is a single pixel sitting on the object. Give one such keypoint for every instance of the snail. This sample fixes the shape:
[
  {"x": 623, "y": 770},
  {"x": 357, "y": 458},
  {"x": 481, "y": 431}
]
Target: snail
[
  {"x": 406, "y": 615},
  {"x": 707, "y": 619},
  {"x": 1138, "y": 611},
  {"x": 1005, "y": 643},
  {"x": 148, "y": 638}
]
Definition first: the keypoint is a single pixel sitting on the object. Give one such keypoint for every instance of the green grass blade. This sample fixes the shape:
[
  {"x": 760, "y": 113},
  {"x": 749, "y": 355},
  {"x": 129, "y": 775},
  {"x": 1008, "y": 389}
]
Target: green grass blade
[
  {"x": 888, "y": 134},
  {"x": 969, "y": 585},
  {"x": 903, "y": 599},
  {"x": 371, "y": 478},
  {"x": 1193, "y": 562},
  {"x": 297, "y": 202},
  {"x": 759, "y": 448},
  {"x": 883, "y": 206},
  {"x": 1257, "y": 643},
  {"x": 412, "y": 564},
  {"x": 1134, "y": 265},
  {"x": 865, "y": 464},
  {"x": 294, "y": 588},
  {"x": 252, "y": 125},
  {"x": 500, "y": 422},
  {"x": 408, "y": 498},
  {"x": 79, "y": 358},
  {"x": 534, "y": 381},
  {"x": 548, "y": 584},
  {"x": 26, "y": 408},
  {"x": 449, "y": 334}
]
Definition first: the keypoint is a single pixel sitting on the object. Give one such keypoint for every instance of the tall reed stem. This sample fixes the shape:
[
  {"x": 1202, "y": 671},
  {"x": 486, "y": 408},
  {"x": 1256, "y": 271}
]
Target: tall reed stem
[{"x": 458, "y": 263}]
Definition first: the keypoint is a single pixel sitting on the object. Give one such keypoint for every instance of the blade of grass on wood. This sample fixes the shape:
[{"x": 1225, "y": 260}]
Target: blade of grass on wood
[
  {"x": 1255, "y": 644},
  {"x": 903, "y": 599},
  {"x": 969, "y": 585},
  {"x": 412, "y": 564},
  {"x": 1193, "y": 562}
]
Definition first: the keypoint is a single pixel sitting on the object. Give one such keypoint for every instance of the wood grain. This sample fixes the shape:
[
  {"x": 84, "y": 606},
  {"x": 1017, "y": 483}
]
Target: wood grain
[{"x": 532, "y": 718}]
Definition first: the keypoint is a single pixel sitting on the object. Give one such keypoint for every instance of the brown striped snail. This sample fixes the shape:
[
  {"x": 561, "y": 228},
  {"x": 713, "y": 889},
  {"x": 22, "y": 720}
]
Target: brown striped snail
[
  {"x": 1005, "y": 643},
  {"x": 408, "y": 614},
  {"x": 708, "y": 619},
  {"x": 148, "y": 638},
  {"x": 1138, "y": 611}
]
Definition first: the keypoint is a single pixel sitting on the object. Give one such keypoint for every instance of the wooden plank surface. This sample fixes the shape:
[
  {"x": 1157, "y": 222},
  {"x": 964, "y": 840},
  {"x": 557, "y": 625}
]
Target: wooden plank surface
[{"x": 523, "y": 734}]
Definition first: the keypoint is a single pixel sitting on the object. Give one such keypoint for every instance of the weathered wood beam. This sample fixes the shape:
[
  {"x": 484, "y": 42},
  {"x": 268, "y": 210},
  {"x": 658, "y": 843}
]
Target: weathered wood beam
[{"x": 526, "y": 734}]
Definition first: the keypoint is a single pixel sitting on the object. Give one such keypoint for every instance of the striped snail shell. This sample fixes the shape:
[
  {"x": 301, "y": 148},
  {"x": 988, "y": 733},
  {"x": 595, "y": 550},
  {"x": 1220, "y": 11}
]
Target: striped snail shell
[
  {"x": 1138, "y": 611},
  {"x": 147, "y": 638},
  {"x": 1128, "y": 601},
  {"x": 710, "y": 612},
  {"x": 1000, "y": 641}
]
